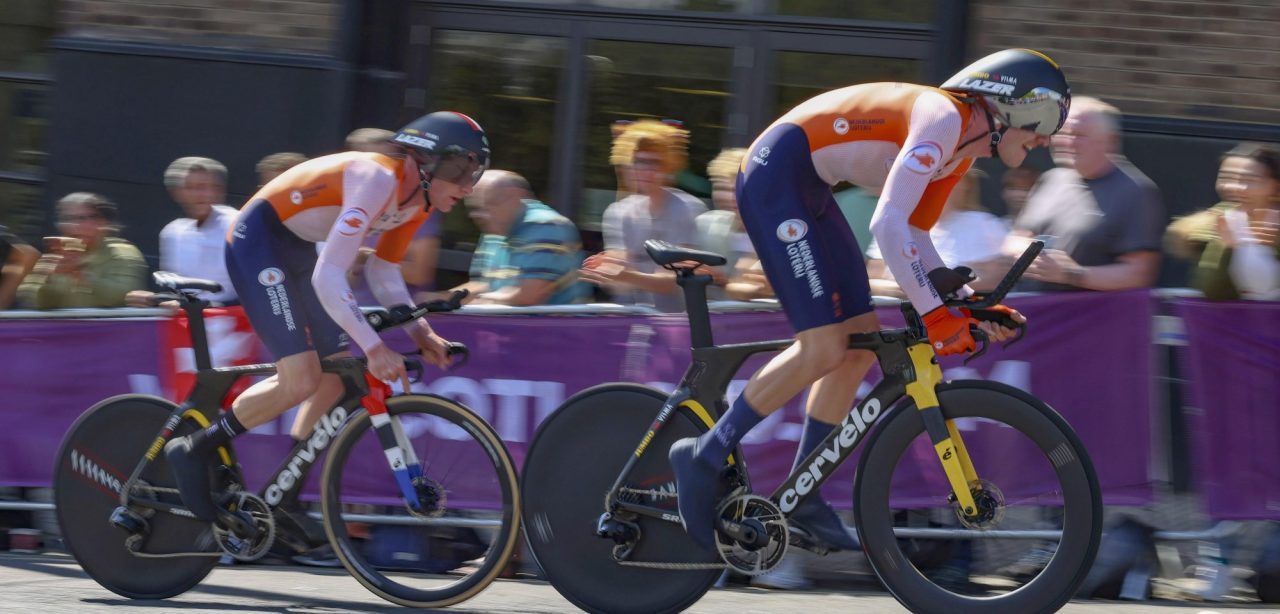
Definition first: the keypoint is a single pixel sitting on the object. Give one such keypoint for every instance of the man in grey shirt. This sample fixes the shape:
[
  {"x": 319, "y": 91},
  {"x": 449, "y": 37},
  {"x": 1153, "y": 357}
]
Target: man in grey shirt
[
  {"x": 1101, "y": 217},
  {"x": 653, "y": 153}
]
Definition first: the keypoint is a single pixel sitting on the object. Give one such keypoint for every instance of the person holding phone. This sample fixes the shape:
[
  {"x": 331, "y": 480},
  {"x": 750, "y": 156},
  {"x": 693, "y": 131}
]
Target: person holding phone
[
  {"x": 1236, "y": 243},
  {"x": 86, "y": 266}
]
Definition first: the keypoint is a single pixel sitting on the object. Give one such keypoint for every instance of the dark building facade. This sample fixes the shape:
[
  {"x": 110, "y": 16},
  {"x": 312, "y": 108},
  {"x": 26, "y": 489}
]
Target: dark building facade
[{"x": 103, "y": 94}]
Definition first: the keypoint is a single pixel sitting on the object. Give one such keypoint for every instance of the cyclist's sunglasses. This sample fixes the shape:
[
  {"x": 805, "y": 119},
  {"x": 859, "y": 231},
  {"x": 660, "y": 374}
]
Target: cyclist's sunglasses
[{"x": 461, "y": 169}]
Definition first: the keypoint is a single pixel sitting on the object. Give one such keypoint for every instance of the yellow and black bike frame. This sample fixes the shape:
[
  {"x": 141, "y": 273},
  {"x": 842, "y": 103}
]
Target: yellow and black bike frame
[{"x": 910, "y": 369}]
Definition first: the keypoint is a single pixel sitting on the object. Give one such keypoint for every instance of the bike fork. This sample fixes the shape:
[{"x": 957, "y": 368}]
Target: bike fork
[
  {"x": 943, "y": 433},
  {"x": 396, "y": 447}
]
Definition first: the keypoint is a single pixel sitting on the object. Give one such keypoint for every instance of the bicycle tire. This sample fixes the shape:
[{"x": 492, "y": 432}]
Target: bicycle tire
[
  {"x": 1044, "y": 428},
  {"x": 101, "y": 449},
  {"x": 349, "y": 550},
  {"x": 574, "y": 459}
]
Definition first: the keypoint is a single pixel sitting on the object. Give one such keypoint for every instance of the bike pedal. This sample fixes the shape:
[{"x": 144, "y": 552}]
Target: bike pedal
[{"x": 128, "y": 520}]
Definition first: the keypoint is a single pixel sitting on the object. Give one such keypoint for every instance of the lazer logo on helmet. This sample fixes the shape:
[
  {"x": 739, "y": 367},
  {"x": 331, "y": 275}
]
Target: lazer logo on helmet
[
  {"x": 990, "y": 87},
  {"x": 416, "y": 141},
  {"x": 289, "y": 476},
  {"x": 851, "y": 430}
]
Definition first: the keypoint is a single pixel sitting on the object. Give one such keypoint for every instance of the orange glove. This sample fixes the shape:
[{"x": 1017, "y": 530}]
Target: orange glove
[{"x": 949, "y": 332}]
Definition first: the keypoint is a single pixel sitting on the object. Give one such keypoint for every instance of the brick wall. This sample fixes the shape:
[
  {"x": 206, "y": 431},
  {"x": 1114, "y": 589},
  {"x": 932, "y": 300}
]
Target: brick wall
[
  {"x": 305, "y": 26},
  {"x": 1210, "y": 60}
]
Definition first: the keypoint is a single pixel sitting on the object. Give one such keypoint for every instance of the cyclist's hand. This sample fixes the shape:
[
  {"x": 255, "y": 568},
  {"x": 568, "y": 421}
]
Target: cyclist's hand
[
  {"x": 384, "y": 363},
  {"x": 994, "y": 330},
  {"x": 949, "y": 332},
  {"x": 434, "y": 349}
]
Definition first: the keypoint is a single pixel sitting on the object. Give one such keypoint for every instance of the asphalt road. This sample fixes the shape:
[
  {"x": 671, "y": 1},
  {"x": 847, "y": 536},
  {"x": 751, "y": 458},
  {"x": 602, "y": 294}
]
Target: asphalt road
[{"x": 54, "y": 583}]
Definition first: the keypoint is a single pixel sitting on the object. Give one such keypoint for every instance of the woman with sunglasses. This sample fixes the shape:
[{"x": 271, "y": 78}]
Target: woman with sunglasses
[
  {"x": 297, "y": 297},
  {"x": 88, "y": 266}
]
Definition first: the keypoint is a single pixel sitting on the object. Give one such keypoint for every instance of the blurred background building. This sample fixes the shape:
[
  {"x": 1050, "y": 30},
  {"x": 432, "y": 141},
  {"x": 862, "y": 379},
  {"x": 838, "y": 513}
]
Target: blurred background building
[{"x": 100, "y": 95}]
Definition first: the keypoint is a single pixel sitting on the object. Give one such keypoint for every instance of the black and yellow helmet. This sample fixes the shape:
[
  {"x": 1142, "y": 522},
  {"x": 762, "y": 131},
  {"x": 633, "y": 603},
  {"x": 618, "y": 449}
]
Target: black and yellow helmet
[{"x": 1021, "y": 88}]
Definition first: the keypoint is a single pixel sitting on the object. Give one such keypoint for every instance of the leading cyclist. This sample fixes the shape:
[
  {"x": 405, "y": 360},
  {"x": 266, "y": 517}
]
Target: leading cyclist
[
  {"x": 913, "y": 143},
  {"x": 299, "y": 302}
]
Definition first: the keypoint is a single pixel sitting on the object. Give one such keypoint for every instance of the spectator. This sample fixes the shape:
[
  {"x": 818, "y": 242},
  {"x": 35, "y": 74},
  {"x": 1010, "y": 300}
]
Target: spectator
[
  {"x": 1014, "y": 188},
  {"x": 529, "y": 254},
  {"x": 422, "y": 258},
  {"x": 271, "y": 166},
  {"x": 1234, "y": 243},
  {"x": 16, "y": 260},
  {"x": 648, "y": 153},
  {"x": 193, "y": 245},
  {"x": 374, "y": 140},
  {"x": 90, "y": 266},
  {"x": 1100, "y": 216},
  {"x": 720, "y": 230},
  {"x": 965, "y": 235}
]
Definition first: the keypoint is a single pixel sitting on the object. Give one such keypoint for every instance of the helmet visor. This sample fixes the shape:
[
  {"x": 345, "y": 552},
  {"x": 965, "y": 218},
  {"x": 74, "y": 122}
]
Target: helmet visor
[
  {"x": 1040, "y": 110},
  {"x": 462, "y": 169}
]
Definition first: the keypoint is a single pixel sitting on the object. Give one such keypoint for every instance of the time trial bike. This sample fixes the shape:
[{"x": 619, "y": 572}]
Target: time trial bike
[
  {"x": 979, "y": 464},
  {"x": 423, "y": 462}
]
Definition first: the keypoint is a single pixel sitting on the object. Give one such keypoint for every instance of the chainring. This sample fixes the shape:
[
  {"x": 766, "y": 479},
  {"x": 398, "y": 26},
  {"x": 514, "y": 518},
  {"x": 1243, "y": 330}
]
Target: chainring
[
  {"x": 264, "y": 521},
  {"x": 748, "y": 561}
]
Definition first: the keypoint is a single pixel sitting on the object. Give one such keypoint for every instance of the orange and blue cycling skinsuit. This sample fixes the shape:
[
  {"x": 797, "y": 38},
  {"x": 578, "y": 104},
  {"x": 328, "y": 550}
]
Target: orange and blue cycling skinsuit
[
  {"x": 894, "y": 138},
  {"x": 297, "y": 299}
]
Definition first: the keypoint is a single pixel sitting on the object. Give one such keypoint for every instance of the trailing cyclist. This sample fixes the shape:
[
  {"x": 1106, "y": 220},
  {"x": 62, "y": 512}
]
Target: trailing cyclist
[
  {"x": 913, "y": 143},
  {"x": 298, "y": 300}
]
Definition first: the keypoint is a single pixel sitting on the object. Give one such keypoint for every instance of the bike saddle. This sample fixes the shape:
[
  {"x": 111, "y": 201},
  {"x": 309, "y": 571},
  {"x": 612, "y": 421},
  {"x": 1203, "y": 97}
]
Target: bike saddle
[
  {"x": 178, "y": 283},
  {"x": 667, "y": 254}
]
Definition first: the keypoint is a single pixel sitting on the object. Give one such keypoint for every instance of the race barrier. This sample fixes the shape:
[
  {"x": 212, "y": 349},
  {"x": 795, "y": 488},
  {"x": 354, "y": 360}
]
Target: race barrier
[
  {"x": 1232, "y": 366},
  {"x": 1088, "y": 355}
]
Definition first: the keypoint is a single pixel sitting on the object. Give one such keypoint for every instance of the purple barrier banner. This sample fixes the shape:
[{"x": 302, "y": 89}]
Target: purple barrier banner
[
  {"x": 1232, "y": 365},
  {"x": 1087, "y": 355},
  {"x": 52, "y": 371}
]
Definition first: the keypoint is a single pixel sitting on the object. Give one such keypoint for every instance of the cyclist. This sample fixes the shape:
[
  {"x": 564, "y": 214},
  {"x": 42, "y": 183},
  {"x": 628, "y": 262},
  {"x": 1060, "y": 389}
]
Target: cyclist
[
  {"x": 913, "y": 143},
  {"x": 298, "y": 300}
]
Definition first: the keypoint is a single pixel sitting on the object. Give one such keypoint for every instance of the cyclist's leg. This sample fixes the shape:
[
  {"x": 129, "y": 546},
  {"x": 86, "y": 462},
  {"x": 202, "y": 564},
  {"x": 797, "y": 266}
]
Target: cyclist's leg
[
  {"x": 780, "y": 197},
  {"x": 258, "y": 255},
  {"x": 330, "y": 341}
]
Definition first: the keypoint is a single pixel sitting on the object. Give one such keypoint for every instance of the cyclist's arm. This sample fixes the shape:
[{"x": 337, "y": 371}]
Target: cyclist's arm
[
  {"x": 383, "y": 272},
  {"x": 367, "y": 189},
  {"x": 934, "y": 131}
]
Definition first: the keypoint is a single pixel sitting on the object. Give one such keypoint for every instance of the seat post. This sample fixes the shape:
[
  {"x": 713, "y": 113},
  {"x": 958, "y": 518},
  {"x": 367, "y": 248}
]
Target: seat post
[
  {"x": 194, "y": 309},
  {"x": 695, "y": 303}
]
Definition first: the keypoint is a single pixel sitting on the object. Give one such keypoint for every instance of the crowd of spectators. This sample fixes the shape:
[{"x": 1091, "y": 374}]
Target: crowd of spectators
[{"x": 1101, "y": 219}]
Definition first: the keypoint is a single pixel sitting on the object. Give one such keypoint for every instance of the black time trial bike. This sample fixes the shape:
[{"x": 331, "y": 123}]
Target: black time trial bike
[
  {"x": 600, "y": 511},
  {"x": 421, "y": 462}
]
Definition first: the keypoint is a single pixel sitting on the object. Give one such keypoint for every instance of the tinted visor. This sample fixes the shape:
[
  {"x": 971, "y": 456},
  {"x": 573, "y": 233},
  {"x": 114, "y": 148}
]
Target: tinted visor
[
  {"x": 462, "y": 169},
  {"x": 1041, "y": 110}
]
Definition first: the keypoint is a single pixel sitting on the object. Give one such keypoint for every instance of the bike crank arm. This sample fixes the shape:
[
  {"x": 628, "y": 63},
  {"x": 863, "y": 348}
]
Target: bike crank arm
[{"x": 942, "y": 433}]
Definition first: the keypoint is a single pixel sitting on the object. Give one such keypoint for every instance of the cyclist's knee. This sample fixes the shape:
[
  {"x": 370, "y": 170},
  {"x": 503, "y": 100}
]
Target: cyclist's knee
[
  {"x": 821, "y": 356},
  {"x": 300, "y": 384}
]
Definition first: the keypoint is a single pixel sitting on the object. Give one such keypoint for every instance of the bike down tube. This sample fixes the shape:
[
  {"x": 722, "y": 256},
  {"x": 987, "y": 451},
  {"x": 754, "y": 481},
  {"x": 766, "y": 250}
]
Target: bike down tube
[
  {"x": 942, "y": 433},
  {"x": 404, "y": 467},
  {"x": 809, "y": 475}
]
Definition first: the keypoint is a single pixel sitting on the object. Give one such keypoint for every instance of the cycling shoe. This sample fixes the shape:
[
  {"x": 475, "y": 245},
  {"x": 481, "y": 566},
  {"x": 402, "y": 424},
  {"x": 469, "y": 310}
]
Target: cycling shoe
[
  {"x": 817, "y": 518},
  {"x": 191, "y": 471},
  {"x": 696, "y": 484}
]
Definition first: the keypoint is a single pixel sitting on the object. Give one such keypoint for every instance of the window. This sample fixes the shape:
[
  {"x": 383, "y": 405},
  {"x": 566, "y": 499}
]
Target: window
[
  {"x": 629, "y": 81},
  {"x": 917, "y": 11},
  {"x": 25, "y": 28},
  {"x": 801, "y": 76},
  {"x": 509, "y": 84}
]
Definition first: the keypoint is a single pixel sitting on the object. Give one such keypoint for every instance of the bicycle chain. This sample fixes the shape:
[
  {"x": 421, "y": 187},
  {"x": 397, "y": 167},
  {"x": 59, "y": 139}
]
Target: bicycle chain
[
  {"x": 662, "y": 494},
  {"x": 164, "y": 555},
  {"x": 686, "y": 566}
]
